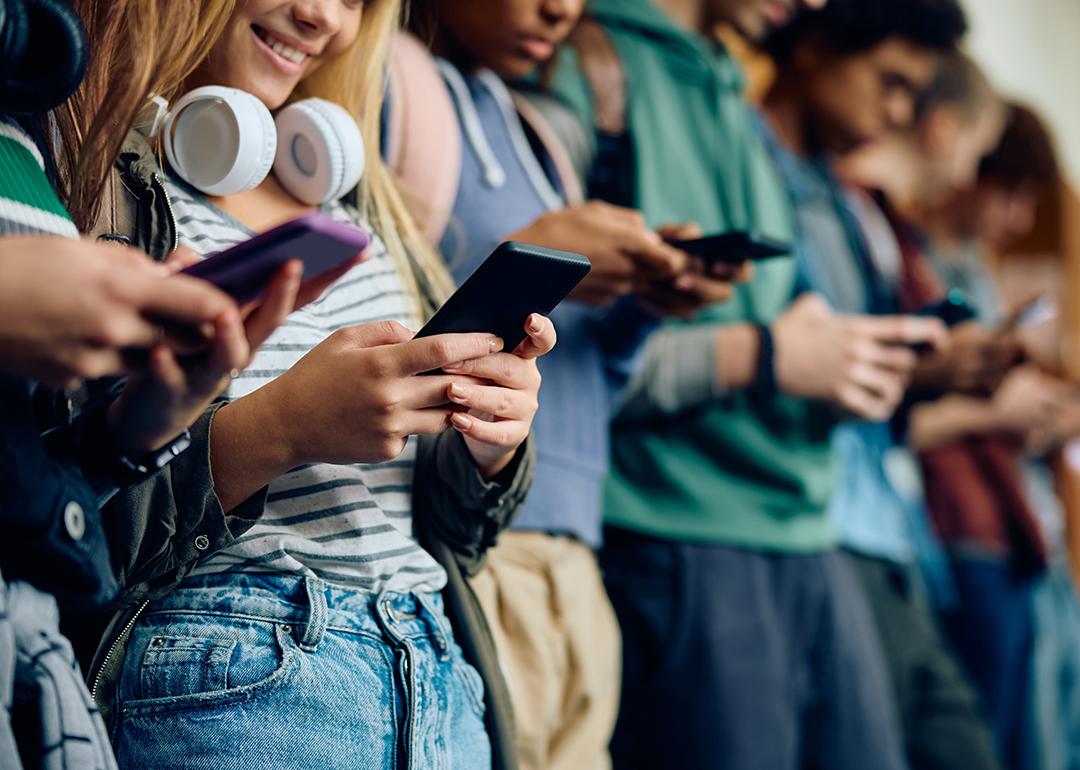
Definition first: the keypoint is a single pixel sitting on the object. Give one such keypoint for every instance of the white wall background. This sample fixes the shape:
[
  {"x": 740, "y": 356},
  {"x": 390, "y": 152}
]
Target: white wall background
[{"x": 1031, "y": 51}]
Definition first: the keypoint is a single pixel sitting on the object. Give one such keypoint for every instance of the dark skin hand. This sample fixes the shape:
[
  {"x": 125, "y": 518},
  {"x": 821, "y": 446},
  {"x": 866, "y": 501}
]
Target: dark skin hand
[
  {"x": 697, "y": 286},
  {"x": 975, "y": 361}
]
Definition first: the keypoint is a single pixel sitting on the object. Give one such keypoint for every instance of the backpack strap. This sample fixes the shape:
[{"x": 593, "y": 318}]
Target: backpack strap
[
  {"x": 603, "y": 69},
  {"x": 424, "y": 145},
  {"x": 550, "y": 138}
]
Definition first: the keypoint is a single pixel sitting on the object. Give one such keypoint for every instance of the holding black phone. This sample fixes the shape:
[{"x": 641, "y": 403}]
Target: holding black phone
[
  {"x": 953, "y": 310},
  {"x": 733, "y": 248},
  {"x": 517, "y": 280}
]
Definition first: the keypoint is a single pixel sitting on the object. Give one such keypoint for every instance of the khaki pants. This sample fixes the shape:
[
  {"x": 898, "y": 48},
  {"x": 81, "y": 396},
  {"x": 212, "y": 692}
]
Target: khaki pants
[{"x": 559, "y": 645}]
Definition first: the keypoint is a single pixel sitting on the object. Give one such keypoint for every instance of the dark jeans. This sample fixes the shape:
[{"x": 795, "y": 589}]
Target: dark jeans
[
  {"x": 943, "y": 726},
  {"x": 992, "y": 629},
  {"x": 746, "y": 660}
]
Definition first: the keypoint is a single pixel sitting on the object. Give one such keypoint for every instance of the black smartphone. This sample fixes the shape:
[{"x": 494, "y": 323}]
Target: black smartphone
[
  {"x": 953, "y": 309},
  {"x": 515, "y": 281},
  {"x": 734, "y": 247}
]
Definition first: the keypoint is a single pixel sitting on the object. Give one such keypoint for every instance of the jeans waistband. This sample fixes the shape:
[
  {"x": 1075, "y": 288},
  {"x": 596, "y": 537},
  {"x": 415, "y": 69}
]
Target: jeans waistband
[{"x": 309, "y": 603}]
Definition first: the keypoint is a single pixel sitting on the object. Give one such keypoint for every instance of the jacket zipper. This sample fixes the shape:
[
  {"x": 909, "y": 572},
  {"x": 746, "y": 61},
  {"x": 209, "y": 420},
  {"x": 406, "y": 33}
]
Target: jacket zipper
[
  {"x": 169, "y": 207},
  {"x": 112, "y": 649}
]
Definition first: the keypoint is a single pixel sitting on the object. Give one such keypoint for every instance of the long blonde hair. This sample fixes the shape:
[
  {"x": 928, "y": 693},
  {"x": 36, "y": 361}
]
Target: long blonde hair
[
  {"x": 357, "y": 81},
  {"x": 138, "y": 52}
]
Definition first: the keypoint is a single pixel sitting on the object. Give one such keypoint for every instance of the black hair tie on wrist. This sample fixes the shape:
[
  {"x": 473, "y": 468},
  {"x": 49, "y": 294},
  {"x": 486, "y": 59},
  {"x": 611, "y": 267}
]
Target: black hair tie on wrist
[
  {"x": 765, "y": 378},
  {"x": 44, "y": 55}
]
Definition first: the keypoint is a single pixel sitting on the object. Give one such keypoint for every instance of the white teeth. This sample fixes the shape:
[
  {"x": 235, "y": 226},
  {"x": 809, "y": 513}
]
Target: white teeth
[{"x": 282, "y": 50}]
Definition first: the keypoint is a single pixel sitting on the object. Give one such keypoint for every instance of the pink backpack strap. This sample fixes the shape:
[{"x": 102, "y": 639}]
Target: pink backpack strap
[
  {"x": 560, "y": 159},
  {"x": 423, "y": 138}
]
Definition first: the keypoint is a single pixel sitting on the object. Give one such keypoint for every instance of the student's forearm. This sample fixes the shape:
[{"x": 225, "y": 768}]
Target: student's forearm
[
  {"x": 241, "y": 466},
  {"x": 688, "y": 366},
  {"x": 737, "y": 349},
  {"x": 950, "y": 418}
]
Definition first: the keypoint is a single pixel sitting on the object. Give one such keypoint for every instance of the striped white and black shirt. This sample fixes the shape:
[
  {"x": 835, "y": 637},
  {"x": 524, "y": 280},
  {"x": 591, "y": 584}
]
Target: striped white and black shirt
[{"x": 348, "y": 524}]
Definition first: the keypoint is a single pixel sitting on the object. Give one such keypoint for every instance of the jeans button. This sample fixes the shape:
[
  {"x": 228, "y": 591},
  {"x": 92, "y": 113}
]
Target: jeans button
[
  {"x": 202, "y": 542},
  {"x": 74, "y": 520}
]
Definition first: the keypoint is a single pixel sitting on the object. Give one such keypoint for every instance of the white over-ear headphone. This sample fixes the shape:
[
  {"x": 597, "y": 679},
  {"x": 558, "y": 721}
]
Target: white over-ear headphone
[{"x": 224, "y": 141}]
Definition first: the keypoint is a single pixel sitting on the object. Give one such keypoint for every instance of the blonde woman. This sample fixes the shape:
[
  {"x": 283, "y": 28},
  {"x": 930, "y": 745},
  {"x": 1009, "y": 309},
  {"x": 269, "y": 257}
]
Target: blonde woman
[{"x": 317, "y": 638}]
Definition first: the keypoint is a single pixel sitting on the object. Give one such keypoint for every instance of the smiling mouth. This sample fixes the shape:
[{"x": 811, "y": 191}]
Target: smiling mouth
[{"x": 279, "y": 46}]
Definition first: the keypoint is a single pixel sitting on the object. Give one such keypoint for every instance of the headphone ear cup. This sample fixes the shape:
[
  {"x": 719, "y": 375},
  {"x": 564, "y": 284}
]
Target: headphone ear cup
[
  {"x": 55, "y": 55},
  {"x": 14, "y": 31},
  {"x": 220, "y": 140},
  {"x": 320, "y": 154}
]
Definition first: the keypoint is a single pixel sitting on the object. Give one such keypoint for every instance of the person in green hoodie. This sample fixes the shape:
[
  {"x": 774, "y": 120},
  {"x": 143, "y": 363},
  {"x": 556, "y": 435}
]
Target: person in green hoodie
[{"x": 744, "y": 632}]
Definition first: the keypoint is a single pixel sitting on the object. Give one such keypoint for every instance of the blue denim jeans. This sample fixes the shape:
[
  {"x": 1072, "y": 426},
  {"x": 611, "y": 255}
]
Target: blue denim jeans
[
  {"x": 992, "y": 630},
  {"x": 257, "y": 671},
  {"x": 1056, "y": 676}
]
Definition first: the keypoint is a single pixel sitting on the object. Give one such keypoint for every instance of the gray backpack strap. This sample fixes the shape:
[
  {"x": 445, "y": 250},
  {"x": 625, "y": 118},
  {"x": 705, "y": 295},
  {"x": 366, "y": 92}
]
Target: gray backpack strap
[
  {"x": 603, "y": 69},
  {"x": 564, "y": 137}
]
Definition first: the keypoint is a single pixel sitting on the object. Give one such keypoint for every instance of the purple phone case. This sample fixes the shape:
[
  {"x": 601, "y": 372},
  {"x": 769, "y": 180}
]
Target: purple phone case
[{"x": 244, "y": 270}]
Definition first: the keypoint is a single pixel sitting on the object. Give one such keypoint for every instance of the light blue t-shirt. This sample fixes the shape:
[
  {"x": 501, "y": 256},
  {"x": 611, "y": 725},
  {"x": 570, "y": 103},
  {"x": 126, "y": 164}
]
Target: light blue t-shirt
[{"x": 833, "y": 260}]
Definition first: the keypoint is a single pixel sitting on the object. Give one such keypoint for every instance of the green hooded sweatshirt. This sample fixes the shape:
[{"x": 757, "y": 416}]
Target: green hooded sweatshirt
[{"x": 745, "y": 471}]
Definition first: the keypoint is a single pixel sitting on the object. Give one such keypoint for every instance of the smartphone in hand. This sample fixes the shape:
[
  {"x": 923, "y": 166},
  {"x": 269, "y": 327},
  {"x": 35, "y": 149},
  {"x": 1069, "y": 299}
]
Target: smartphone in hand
[
  {"x": 515, "y": 281},
  {"x": 953, "y": 310},
  {"x": 733, "y": 248},
  {"x": 245, "y": 270}
]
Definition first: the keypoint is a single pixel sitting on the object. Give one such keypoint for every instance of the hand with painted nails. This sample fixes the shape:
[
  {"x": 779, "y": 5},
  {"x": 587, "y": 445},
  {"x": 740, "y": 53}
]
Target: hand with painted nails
[{"x": 498, "y": 395}]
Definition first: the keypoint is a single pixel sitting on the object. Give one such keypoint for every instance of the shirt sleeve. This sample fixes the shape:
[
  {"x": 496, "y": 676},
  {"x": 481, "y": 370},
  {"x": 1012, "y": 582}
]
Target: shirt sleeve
[{"x": 679, "y": 373}]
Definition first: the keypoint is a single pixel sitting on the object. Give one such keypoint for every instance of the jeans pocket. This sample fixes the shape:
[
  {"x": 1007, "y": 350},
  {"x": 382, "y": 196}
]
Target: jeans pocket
[
  {"x": 222, "y": 666},
  {"x": 177, "y": 665}
]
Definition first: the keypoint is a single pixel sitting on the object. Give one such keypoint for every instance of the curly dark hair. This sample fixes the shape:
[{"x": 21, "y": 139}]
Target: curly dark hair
[{"x": 852, "y": 26}]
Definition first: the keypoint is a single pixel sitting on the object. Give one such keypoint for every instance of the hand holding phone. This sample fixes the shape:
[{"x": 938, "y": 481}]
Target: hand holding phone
[
  {"x": 952, "y": 310},
  {"x": 732, "y": 248},
  {"x": 245, "y": 270},
  {"x": 517, "y": 280}
]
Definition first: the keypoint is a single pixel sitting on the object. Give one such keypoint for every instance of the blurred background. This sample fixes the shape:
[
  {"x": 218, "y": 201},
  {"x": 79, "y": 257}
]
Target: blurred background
[{"x": 1029, "y": 49}]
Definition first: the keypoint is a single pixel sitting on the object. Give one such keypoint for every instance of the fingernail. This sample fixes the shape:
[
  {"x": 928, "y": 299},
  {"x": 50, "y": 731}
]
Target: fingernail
[
  {"x": 534, "y": 324},
  {"x": 457, "y": 391},
  {"x": 460, "y": 420},
  {"x": 496, "y": 344}
]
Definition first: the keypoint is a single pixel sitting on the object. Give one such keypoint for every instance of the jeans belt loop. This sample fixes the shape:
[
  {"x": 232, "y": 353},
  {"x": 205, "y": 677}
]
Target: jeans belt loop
[
  {"x": 443, "y": 633},
  {"x": 315, "y": 627}
]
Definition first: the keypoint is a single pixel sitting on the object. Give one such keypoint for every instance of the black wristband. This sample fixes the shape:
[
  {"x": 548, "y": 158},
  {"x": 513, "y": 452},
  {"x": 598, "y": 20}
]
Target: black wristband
[
  {"x": 765, "y": 376},
  {"x": 100, "y": 457}
]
